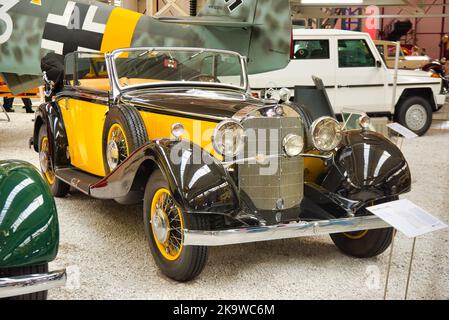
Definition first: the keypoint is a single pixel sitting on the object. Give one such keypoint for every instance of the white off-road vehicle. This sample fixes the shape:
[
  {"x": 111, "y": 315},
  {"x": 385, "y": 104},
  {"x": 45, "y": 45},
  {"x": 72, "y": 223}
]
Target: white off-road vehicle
[{"x": 355, "y": 76}]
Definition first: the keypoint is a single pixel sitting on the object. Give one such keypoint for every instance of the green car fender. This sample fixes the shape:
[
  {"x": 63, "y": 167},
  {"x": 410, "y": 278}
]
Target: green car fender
[{"x": 29, "y": 227}]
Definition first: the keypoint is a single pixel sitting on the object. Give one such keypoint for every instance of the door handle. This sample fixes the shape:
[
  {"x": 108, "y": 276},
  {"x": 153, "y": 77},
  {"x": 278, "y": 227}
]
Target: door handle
[{"x": 340, "y": 86}]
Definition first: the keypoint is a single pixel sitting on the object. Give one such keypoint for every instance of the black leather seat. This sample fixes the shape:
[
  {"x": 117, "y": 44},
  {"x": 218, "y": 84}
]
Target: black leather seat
[
  {"x": 318, "y": 54},
  {"x": 53, "y": 65}
]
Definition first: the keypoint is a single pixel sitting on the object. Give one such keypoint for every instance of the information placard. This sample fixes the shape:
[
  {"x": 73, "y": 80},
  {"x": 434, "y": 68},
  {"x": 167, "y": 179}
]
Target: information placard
[
  {"x": 407, "y": 217},
  {"x": 403, "y": 131}
]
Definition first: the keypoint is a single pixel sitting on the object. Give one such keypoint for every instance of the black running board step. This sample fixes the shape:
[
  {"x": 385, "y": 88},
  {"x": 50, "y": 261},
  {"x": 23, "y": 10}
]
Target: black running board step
[{"x": 78, "y": 179}]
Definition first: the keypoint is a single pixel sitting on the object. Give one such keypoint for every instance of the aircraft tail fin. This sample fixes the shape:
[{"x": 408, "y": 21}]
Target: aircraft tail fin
[
  {"x": 270, "y": 31},
  {"x": 242, "y": 10}
]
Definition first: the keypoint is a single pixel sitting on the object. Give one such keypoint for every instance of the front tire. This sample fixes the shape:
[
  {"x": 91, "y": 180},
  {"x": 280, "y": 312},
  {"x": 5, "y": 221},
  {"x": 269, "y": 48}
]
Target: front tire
[
  {"x": 364, "y": 244},
  {"x": 23, "y": 271},
  {"x": 367, "y": 243},
  {"x": 164, "y": 224},
  {"x": 415, "y": 113},
  {"x": 59, "y": 188}
]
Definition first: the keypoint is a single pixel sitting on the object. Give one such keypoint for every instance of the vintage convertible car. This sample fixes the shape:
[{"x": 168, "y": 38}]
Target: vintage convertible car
[
  {"x": 29, "y": 233},
  {"x": 179, "y": 129}
]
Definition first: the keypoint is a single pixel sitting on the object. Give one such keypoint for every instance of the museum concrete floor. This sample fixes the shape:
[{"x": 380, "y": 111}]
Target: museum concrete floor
[{"x": 106, "y": 242}]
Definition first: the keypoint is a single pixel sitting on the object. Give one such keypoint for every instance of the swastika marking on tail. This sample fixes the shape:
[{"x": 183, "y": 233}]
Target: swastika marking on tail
[
  {"x": 234, "y": 4},
  {"x": 74, "y": 30}
]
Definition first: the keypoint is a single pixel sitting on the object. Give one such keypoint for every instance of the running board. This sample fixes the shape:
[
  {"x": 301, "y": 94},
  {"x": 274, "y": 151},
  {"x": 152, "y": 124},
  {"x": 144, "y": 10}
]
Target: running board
[{"x": 80, "y": 180}]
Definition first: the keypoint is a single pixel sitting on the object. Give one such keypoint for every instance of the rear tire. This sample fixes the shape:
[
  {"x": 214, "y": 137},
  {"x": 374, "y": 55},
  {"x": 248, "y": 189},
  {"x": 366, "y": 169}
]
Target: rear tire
[
  {"x": 415, "y": 113},
  {"x": 21, "y": 271},
  {"x": 128, "y": 121},
  {"x": 188, "y": 262},
  {"x": 59, "y": 188}
]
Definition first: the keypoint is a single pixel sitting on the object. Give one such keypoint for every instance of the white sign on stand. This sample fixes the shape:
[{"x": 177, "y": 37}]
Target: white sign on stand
[
  {"x": 403, "y": 131},
  {"x": 412, "y": 221},
  {"x": 408, "y": 218}
]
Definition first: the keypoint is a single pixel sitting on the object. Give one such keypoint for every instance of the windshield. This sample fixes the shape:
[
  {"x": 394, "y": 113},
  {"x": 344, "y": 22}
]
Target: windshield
[
  {"x": 351, "y": 119},
  {"x": 160, "y": 66}
]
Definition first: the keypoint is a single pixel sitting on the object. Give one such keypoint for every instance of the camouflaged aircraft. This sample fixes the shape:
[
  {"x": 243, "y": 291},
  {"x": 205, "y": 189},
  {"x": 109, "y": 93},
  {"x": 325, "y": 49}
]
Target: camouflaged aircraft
[{"x": 30, "y": 29}]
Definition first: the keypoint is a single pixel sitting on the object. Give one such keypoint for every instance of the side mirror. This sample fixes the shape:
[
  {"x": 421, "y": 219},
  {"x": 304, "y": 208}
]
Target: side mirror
[{"x": 378, "y": 63}]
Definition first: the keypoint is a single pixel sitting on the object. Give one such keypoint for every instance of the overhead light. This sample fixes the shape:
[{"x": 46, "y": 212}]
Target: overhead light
[{"x": 334, "y": 2}]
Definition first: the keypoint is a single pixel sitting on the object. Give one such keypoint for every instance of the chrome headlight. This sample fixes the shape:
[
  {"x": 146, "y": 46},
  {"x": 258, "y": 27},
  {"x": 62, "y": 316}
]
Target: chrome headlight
[
  {"x": 229, "y": 138},
  {"x": 293, "y": 145},
  {"x": 326, "y": 134}
]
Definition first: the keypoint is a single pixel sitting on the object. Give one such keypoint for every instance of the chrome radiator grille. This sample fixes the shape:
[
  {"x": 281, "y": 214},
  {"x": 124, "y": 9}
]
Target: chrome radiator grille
[{"x": 278, "y": 184}]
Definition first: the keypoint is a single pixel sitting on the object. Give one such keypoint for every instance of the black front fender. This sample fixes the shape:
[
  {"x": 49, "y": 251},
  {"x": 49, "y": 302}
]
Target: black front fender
[
  {"x": 368, "y": 167},
  {"x": 197, "y": 181}
]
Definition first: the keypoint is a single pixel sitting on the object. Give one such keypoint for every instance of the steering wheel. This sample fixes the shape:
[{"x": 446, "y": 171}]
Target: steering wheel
[
  {"x": 302, "y": 53},
  {"x": 204, "y": 78}
]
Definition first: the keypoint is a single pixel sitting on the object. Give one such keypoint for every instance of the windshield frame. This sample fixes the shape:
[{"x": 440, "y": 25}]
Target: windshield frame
[{"x": 118, "y": 89}]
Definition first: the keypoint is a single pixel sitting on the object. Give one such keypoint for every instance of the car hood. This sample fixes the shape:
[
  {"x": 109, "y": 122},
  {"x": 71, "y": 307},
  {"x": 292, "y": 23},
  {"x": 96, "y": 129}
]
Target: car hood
[
  {"x": 413, "y": 77},
  {"x": 418, "y": 58},
  {"x": 214, "y": 104}
]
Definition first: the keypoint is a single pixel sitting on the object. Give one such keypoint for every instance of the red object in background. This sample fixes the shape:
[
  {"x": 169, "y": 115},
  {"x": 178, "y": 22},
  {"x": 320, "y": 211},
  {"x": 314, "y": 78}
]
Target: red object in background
[
  {"x": 170, "y": 63},
  {"x": 372, "y": 25},
  {"x": 407, "y": 49},
  {"x": 372, "y": 33},
  {"x": 292, "y": 46}
]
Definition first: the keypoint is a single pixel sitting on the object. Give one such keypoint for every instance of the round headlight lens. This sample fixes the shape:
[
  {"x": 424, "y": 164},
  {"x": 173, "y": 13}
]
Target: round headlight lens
[
  {"x": 326, "y": 134},
  {"x": 293, "y": 145},
  {"x": 228, "y": 139}
]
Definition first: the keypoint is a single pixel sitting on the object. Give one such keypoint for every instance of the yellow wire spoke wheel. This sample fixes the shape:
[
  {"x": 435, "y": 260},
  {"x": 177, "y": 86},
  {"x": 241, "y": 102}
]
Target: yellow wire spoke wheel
[
  {"x": 357, "y": 235},
  {"x": 167, "y": 225},
  {"x": 117, "y": 146},
  {"x": 44, "y": 159}
]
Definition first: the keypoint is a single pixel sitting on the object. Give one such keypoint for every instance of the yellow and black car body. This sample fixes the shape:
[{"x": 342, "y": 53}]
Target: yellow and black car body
[{"x": 217, "y": 201}]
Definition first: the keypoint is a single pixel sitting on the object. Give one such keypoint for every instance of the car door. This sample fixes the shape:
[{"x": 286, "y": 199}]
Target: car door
[
  {"x": 84, "y": 105},
  {"x": 361, "y": 76},
  {"x": 391, "y": 49},
  {"x": 312, "y": 57}
]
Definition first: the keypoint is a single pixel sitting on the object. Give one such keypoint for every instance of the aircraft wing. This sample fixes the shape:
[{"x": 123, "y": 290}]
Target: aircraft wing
[
  {"x": 31, "y": 29},
  {"x": 23, "y": 83},
  {"x": 208, "y": 21}
]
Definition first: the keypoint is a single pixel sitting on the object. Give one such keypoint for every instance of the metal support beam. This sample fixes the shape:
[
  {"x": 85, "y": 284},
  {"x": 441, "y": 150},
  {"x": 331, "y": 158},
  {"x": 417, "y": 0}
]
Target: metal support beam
[
  {"x": 322, "y": 15},
  {"x": 342, "y": 4},
  {"x": 152, "y": 7}
]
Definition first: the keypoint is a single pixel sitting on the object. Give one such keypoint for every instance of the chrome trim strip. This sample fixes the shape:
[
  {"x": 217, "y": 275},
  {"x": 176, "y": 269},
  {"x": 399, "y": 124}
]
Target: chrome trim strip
[
  {"x": 17, "y": 286},
  {"x": 246, "y": 111},
  {"x": 317, "y": 156},
  {"x": 283, "y": 231},
  {"x": 141, "y": 103},
  {"x": 261, "y": 159}
]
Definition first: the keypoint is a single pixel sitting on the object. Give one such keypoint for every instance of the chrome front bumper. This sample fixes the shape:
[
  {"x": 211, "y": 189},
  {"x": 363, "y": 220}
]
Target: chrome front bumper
[
  {"x": 17, "y": 286},
  {"x": 284, "y": 231}
]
